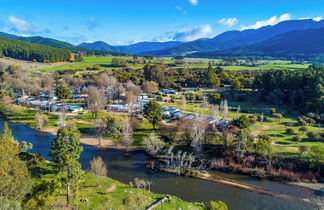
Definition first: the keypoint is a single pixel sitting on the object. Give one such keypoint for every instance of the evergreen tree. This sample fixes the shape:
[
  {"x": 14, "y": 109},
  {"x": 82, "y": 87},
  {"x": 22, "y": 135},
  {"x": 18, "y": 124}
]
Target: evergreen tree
[
  {"x": 15, "y": 181},
  {"x": 153, "y": 112},
  {"x": 65, "y": 152}
]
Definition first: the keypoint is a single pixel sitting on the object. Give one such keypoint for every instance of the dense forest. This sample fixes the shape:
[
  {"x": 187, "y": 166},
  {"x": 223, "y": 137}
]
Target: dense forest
[
  {"x": 32, "y": 52},
  {"x": 302, "y": 89}
]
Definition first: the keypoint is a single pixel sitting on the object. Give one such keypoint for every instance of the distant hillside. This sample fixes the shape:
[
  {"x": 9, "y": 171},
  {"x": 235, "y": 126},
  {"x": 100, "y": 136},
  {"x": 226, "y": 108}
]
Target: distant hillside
[
  {"x": 102, "y": 46},
  {"x": 134, "y": 48},
  {"x": 295, "y": 44},
  {"x": 232, "y": 39},
  {"x": 56, "y": 43},
  {"x": 27, "y": 51}
]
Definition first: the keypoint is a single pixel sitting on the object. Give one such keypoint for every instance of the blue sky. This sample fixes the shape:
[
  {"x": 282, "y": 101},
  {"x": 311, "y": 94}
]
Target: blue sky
[{"x": 127, "y": 21}]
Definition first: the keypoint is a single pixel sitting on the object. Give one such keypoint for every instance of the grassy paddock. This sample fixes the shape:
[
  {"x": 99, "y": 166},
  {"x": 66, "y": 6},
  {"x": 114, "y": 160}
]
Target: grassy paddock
[
  {"x": 112, "y": 194},
  {"x": 192, "y": 63}
]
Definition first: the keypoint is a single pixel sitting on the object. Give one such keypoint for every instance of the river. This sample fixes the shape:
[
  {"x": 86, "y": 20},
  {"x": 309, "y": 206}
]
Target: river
[{"x": 125, "y": 169}]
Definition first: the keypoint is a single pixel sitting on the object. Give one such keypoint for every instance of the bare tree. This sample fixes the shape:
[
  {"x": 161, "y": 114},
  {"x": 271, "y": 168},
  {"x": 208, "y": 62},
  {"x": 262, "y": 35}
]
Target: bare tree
[
  {"x": 132, "y": 92},
  {"x": 119, "y": 90},
  {"x": 41, "y": 120},
  {"x": 153, "y": 144},
  {"x": 101, "y": 126},
  {"x": 150, "y": 87},
  {"x": 238, "y": 109},
  {"x": 98, "y": 167},
  {"x": 205, "y": 102},
  {"x": 127, "y": 133},
  {"x": 95, "y": 99},
  {"x": 196, "y": 131},
  {"x": 183, "y": 101},
  {"x": 225, "y": 109}
]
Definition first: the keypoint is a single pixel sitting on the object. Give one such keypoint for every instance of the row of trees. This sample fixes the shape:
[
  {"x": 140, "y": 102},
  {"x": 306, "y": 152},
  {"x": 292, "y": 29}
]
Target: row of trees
[{"x": 32, "y": 52}]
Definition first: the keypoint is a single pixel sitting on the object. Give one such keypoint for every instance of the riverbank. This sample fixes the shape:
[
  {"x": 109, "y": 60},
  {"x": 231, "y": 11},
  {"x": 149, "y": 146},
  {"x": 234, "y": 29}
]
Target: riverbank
[
  {"x": 93, "y": 141},
  {"x": 105, "y": 193}
]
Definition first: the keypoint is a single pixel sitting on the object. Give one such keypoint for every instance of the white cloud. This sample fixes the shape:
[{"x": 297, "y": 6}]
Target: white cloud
[
  {"x": 19, "y": 25},
  {"x": 194, "y": 2},
  {"x": 271, "y": 21},
  {"x": 318, "y": 18},
  {"x": 193, "y": 34},
  {"x": 229, "y": 22}
]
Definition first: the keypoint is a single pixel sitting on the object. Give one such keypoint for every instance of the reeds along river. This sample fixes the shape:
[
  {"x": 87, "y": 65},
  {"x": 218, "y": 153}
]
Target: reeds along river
[{"x": 126, "y": 168}]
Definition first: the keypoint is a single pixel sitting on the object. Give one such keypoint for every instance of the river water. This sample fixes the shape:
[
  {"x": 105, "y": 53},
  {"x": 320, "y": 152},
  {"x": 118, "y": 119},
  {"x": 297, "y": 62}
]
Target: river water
[{"x": 125, "y": 169}]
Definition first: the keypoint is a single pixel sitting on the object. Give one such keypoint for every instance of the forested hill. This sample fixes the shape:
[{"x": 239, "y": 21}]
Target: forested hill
[
  {"x": 58, "y": 44},
  {"x": 304, "y": 44},
  {"x": 27, "y": 51}
]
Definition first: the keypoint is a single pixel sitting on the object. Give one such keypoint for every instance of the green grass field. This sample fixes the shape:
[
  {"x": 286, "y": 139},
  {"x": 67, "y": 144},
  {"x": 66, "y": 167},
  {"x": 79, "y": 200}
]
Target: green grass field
[
  {"x": 283, "y": 144},
  {"x": 192, "y": 63},
  {"x": 111, "y": 194}
]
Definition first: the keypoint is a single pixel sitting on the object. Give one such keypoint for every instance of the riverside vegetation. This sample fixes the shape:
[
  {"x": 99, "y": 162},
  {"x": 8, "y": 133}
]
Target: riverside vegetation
[{"x": 269, "y": 121}]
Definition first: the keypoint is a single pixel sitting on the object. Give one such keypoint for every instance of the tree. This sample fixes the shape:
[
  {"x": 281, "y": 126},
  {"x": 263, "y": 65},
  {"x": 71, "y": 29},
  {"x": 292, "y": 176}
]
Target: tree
[
  {"x": 303, "y": 129},
  {"x": 15, "y": 181},
  {"x": 213, "y": 205},
  {"x": 153, "y": 144},
  {"x": 42, "y": 194},
  {"x": 24, "y": 146},
  {"x": 98, "y": 167},
  {"x": 214, "y": 98},
  {"x": 127, "y": 134},
  {"x": 263, "y": 145},
  {"x": 63, "y": 93},
  {"x": 95, "y": 100},
  {"x": 316, "y": 153},
  {"x": 153, "y": 112},
  {"x": 211, "y": 77},
  {"x": 243, "y": 122},
  {"x": 41, "y": 120},
  {"x": 132, "y": 92},
  {"x": 302, "y": 149},
  {"x": 150, "y": 87},
  {"x": 65, "y": 151},
  {"x": 196, "y": 131}
]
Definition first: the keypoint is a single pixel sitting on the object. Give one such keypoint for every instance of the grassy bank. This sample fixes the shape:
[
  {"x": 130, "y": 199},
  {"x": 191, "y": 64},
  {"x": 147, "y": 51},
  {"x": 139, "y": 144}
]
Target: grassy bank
[{"x": 110, "y": 194}]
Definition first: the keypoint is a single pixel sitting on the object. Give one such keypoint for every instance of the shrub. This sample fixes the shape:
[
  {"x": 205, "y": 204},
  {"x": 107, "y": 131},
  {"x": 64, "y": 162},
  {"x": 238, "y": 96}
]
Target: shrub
[
  {"x": 243, "y": 122},
  {"x": 313, "y": 135},
  {"x": 137, "y": 201},
  {"x": 253, "y": 119},
  {"x": 213, "y": 205},
  {"x": 297, "y": 138},
  {"x": 290, "y": 131},
  {"x": 301, "y": 121},
  {"x": 273, "y": 110},
  {"x": 303, "y": 129},
  {"x": 277, "y": 115},
  {"x": 214, "y": 98}
]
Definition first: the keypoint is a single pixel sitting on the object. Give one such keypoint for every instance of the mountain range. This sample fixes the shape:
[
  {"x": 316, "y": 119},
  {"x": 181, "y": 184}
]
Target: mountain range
[
  {"x": 286, "y": 39},
  {"x": 303, "y": 44}
]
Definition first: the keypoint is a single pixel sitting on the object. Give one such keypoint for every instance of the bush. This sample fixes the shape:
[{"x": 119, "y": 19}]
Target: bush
[
  {"x": 243, "y": 122},
  {"x": 277, "y": 115},
  {"x": 137, "y": 201},
  {"x": 290, "y": 131},
  {"x": 301, "y": 121},
  {"x": 297, "y": 138},
  {"x": 214, "y": 98},
  {"x": 303, "y": 129},
  {"x": 273, "y": 110},
  {"x": 253, "y": 119},
  {"x": 213, "y": 205},
  {"x": 313, "y": 135}
]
